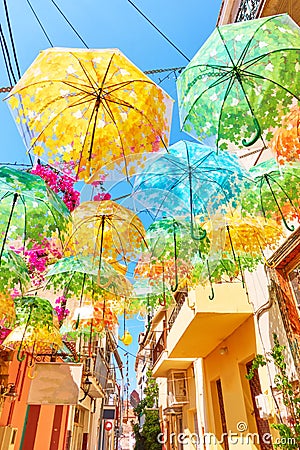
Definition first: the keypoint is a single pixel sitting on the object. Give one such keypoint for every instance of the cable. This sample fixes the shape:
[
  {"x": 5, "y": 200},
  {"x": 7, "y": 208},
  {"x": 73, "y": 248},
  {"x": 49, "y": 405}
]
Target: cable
[
  {"x": 160, "y": 32},
  {"x": 11, "y": 38},
  {"x": 69, "y": 23},
  {"x": 5, "y": 62},
  {"x": 40, "y": 23},
  {"x": 6, "y": 55}
]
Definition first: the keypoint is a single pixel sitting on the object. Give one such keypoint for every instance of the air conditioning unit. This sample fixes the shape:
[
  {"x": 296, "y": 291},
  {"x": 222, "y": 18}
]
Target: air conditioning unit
[
  {"x": 177, "y": 388},
  {"x": 8, "y": 438}
]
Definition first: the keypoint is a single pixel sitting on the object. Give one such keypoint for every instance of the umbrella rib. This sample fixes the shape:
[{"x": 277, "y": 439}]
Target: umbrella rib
[
  {"x": 88, "y": 76},
  {"x": 128, "y": 105},
  {"x": 53, "y": 119},
  {"x": 283, "y": 190},
  {"x": 250, "y": 74},
  {"x": 107, "y": 108}
]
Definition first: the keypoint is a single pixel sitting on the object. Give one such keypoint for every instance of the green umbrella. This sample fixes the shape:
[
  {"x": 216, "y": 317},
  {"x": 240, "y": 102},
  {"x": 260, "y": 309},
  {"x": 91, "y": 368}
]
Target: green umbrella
[
  {"x": 170, "y": 239},
  {"x": 36, "y": 326},
  {"x": 14, "y": 272},
  {"x": 275, "y": 192},
  {"x": 241, "y": 82},
  {"x": 79, "y": 275},
  {"x": 29, "y": 209}
]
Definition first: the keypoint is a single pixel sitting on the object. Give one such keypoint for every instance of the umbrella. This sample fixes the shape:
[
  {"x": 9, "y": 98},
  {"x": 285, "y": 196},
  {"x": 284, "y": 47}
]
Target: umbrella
[
  {"x": 148, "y": 294},
  {"x": 275, "y": 193},
  {"x": 29, "y": 209},
  {"x": 241, "y": 82},
  {"x": 86, "y": 108},
  {"x": 171, "y": 273},
  {"x": 78, "y": 276},
  {"x": 36, "y": 330},
  {"x": 13, "y": 273},
  {"x": 108, "y": 230},
  {"x": 195, "y": 177},
  {"x": 285, "y": 143},
  {"x": 7, "y": 310},
  {"x": 170, "y": 240},
  {"x": 239, "y": 245}
]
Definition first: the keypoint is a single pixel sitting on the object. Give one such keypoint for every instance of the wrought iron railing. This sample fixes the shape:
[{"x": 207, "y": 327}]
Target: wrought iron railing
[
  {"x": 159, "y": 347},
  {"x": 180, "y": 299},
  {"x": 248, "y": 10}
]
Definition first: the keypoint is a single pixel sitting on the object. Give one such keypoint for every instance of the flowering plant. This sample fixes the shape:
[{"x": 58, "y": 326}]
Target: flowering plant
[{"x": 60, "y": 184}]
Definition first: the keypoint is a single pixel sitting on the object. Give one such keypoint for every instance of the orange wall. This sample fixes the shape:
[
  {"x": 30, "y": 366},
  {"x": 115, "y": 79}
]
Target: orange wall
[{"x": 14, "y": 413}]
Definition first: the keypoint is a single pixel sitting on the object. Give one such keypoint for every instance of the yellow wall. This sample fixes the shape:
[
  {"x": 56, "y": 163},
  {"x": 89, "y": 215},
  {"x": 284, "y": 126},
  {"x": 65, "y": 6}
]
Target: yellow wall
[{"x": 229, "y": 367}]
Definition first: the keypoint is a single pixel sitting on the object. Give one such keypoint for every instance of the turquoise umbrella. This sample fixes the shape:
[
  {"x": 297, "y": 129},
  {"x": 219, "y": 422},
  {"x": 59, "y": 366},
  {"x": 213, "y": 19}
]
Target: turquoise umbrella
[{"x": 191, "y": 180}]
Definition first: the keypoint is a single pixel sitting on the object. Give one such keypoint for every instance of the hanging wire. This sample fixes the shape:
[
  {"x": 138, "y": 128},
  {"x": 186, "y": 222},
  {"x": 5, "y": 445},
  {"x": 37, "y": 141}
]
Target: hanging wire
[
  {"x": 69, "y": 23},
  {"x": 7, "y": 60},
  {"x": 159, "y": 31},
  {"x": 39, "y": 22},
  {"x": 11, "y": 38}
]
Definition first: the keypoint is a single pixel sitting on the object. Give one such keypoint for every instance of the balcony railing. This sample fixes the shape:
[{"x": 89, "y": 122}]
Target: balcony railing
[
  {"x": 160, "y": 346},
  {"x": 248, "y": 10},
  {"x": 180, "y": 299}
]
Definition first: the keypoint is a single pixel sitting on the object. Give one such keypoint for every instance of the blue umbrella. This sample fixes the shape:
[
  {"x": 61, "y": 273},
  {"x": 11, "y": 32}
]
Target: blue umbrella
[{"x": 190, "y": 180}]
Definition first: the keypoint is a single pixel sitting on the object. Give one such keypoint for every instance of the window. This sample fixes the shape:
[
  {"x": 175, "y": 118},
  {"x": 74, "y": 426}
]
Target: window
[{"x": 294, "y": 277}]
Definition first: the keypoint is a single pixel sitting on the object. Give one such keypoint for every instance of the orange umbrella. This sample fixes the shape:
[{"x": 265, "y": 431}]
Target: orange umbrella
[{"x": 285, "y": 143}]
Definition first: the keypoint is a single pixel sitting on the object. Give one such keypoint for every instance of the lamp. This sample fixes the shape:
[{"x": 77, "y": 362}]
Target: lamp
[{"x": 85, "y": 386}]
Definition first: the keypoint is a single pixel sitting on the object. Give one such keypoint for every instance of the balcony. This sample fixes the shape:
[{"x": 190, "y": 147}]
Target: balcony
[{"x": 202, "y": 324}]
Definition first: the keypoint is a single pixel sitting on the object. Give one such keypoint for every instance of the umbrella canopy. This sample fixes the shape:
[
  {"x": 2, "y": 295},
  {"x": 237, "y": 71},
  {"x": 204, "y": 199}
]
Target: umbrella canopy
[
  {"x": 198, "y": 180},
  {"x": 29, "y": 209},
  {"x": 275, "y": 193},
  {"x": 148, "y": 293},
  {"x": 241, "y": 82},
  {"x": 7, "y": 310},
  {"x": 86, "y": 108},
  {"x": 285, "y": 143},
  {"x": 78, "y": 276},
  {"x": 95, "y": 316},
  {"x": 37, "y": 328},
  {"x": 108, "y": 230},
  {"x": 171, "y": 273},
  {"x": 13, "y": 272}
]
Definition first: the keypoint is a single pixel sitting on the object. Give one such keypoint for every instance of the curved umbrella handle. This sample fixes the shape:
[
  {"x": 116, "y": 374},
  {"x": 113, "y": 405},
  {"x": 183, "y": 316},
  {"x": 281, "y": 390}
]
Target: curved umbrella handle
[
  {"x": 255, "y": 137},
  {"x": 193, "y": 236},
  {"x": 212, "y": 292},
  {"x": 19, "y": 357}
]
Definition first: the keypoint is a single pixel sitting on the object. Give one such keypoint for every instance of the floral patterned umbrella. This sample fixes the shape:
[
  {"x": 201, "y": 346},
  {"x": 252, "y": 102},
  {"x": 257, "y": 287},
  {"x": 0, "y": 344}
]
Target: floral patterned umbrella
[
  {"x": 108, "y": 230},
  {"x": 88, "y": 108},
  {"x": 78, "y": 276},
  {"x": 13, "y": 272},
  {"x": 191, "y": 179},
  {"x": 241, "y": 82},
  {"x": 275, "y": 193},
  {"x": 36, "y": 327},
  {"x": 7, "y": 310},
  {"x": 29, "y": 209},
  {"x": 239, "y": 244}
]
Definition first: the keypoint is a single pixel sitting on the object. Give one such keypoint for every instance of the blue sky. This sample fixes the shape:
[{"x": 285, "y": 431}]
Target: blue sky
[{"x": 107, "y": 24}]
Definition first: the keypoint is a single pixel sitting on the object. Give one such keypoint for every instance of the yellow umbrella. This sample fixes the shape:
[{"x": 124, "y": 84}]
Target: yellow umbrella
[
  {"x": 108, "y": 230},
  {"x": 86, "y": 108}
]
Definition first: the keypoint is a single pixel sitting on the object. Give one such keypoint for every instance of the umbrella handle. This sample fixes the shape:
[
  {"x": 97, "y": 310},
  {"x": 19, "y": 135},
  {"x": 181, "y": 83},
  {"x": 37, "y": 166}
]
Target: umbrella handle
[
  {"x": 19, "y": 357},
  {"x": 212, "y": 292},
  {"x": 193, "y": 236},
  {"x": 255, "y": 137}
]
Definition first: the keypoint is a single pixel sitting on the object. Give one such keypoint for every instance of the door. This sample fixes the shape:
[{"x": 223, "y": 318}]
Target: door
[{"x": 261, "y": 424}]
